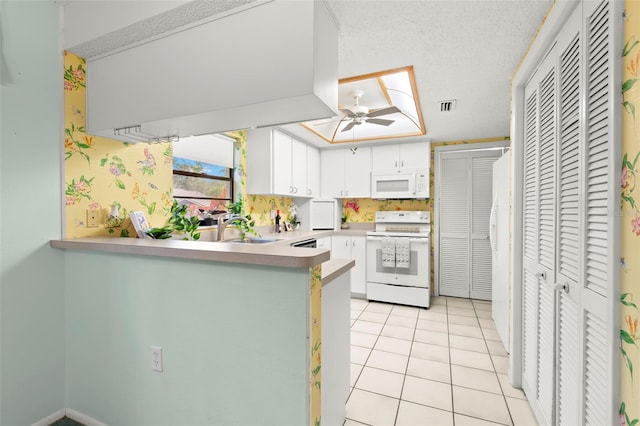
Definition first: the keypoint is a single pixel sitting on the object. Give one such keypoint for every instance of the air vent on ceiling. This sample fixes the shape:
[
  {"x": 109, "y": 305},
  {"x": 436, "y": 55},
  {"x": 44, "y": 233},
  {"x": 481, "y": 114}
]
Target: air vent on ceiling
[{"x": 447, "y": 106}]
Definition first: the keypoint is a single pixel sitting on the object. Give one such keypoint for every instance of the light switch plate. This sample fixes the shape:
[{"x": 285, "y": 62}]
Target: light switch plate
[{"x": 93, "y": 218}]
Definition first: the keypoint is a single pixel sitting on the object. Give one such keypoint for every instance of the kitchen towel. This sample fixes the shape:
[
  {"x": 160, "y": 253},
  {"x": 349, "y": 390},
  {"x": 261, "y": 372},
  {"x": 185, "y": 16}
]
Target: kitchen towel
[
  {"x": 388, "y": 252},
  {"x": 403, "y": 252}
]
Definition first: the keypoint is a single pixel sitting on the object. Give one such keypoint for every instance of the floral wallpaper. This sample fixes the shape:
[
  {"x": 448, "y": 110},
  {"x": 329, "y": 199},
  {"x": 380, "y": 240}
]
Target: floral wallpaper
[
  {"x": 315, "y": 334},
  {"x": 101, "y": 172},
  {"x": 630, "y": 221}
]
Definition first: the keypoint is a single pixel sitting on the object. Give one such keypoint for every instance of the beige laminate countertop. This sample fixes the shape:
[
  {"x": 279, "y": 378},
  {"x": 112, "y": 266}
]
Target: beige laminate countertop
[
  {"x": 273, "y": 254},
  {"x": 279, "y": 253}
]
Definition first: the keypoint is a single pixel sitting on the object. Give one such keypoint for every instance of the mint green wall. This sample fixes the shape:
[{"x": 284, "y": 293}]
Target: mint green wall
[
  {"x": 31, "y": 273},
  {"x": 234, "y": 341}
]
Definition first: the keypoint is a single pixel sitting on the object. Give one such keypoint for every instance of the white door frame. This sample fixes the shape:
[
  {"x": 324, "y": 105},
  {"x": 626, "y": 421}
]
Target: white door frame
[
  {"x": 556, "y": 18},
  {"x": 438, "y": 150}
]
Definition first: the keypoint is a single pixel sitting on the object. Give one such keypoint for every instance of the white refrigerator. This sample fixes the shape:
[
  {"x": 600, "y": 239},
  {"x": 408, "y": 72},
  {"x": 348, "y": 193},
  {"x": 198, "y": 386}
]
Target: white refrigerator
[{"x": 499, "y": 238}]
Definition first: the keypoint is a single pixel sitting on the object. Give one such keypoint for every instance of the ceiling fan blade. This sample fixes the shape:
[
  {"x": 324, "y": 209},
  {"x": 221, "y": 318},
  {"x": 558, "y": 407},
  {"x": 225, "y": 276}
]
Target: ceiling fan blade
[
  {"x": 320, "y": 123},
  {"x": 380, "y": 121},
  {"x": 383, "y": 111},
  {"x": 349, "y": 126},
  {"x": 347, "y": 112}
]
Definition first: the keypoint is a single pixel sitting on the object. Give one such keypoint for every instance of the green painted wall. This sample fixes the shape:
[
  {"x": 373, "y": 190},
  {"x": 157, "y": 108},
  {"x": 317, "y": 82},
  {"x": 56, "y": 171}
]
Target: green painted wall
[
  {"x": 234, "y": 339},
  {"x": 31, "y": 273}
]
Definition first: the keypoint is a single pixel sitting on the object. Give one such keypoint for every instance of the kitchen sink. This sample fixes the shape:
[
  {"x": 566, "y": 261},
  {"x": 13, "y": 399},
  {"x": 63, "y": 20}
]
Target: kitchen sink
[{"x": 253, "y": 240}]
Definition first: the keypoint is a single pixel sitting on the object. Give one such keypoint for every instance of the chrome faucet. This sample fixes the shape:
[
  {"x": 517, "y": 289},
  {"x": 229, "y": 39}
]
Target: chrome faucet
[{"x": 222, "y": 225}]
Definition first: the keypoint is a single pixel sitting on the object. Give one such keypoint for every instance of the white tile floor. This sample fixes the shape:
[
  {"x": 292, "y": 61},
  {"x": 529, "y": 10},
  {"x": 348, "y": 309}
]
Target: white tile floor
[{"x": 439, "y": 366}]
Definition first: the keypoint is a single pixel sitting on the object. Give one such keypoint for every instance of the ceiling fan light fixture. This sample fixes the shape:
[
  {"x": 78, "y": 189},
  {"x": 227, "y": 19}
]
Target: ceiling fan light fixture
[{"x": 391, "y": 108}]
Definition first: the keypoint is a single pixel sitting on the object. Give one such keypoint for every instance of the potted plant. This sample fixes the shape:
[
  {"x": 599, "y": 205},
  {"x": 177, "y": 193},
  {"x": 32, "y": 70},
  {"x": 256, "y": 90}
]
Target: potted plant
[
  {"x": 178, "y": 223},
  {"x": 247, "y": 227},
  {"x": 345, "y": 217}
]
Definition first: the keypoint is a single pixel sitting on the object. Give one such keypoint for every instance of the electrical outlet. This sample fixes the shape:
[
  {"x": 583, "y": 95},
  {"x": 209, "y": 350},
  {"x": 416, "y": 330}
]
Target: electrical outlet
[
  {"x": 156, "y": 358},
  {"x": 93, "y": 218},
  {"x": 273, "y": 214}
]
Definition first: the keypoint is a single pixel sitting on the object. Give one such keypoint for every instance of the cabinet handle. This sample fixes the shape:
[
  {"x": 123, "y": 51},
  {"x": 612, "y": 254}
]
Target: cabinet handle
[
  {"x": 346, "y": 192},
  {"x": 290, "y": 189},
  {"x": 396, "y": 163},
  {"x": 542, "y": 275},
  {"x": 309, "y": 192},
  {"x": 295, "y": 189},
  {"x": 402, "y": 163}
]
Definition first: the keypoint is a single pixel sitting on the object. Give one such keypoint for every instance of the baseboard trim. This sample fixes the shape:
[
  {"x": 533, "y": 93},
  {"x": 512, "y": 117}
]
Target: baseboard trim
[
  {"x": 50, "y": 418},
  {"x": 82, "y": 418},
  {"x": 72, "y": 414}
]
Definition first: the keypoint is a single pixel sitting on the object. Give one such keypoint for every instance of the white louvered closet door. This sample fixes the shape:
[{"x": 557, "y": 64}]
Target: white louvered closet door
[
  {"x": 539, "y": 241},
  {"x": 465, "y": 198},
  {"x": 570, "y": 188},
  {"x": 481, "y": 184},
  {"x": 600, "y": 234},
  {"x": 569, "y": 226},
  {"x": 454, "y": 230}
]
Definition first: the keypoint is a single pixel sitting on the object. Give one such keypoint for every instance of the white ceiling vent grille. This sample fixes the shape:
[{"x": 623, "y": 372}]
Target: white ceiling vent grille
[{"x": 447, "y": 106}]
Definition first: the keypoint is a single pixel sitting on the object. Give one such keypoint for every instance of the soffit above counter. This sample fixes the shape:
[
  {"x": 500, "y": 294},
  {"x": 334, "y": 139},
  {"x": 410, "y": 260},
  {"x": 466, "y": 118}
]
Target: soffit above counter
[{"x": 214, "y": 77}]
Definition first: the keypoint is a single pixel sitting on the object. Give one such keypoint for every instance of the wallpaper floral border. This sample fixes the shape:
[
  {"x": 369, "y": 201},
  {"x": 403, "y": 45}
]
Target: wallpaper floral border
[
  {"x": 630, "y": 221},
  {"x": 101, "y": 173}
]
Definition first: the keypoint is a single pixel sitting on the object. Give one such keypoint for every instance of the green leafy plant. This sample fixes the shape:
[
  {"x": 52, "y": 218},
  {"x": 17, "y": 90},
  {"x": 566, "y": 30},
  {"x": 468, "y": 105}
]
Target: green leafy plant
[
  {"x": 247, "y": 227},
  {"x": 178, "y": 223}
]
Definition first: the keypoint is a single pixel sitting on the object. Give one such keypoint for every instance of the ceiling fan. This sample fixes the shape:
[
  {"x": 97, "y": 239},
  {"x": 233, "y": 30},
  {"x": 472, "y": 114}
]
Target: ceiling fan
[{"x": 359, "y": 114}]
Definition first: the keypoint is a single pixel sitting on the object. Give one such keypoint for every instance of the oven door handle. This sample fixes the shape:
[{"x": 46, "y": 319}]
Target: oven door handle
[{"x": 413, "y": 240}]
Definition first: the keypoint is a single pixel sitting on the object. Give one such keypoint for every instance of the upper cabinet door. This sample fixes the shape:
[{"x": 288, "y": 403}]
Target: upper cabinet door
[
  {"x": 415, "y": 155},
  {"x": 385, "y": 157},
  {"x": 357, "y": 173},
  {"x": 332, "y": 168},
  {"x": 298, "y": 164},
  {"x": 281, "y": 160},
  {"x": 313, "y": 172}
]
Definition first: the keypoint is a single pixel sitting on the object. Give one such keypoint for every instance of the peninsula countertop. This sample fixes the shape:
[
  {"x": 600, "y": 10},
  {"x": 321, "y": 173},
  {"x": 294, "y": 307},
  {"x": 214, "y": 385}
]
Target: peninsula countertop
[{"x": 273, "y": 254}]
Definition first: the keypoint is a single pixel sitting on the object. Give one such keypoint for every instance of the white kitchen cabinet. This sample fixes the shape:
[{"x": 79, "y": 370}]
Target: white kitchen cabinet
[
  {"x": 313, "y": 171},
  {"x": 324, "y": 243},
  {"x": 346, "y": 173},
  {"x": 278, "y": 164},
  {"x": 401, "y": 156},
  {"x": 353, "y": 247}
]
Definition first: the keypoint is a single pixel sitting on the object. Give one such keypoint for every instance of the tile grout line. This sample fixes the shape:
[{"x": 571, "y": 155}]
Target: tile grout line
[
  {"x": 453, "y": 416},
  {"x": 406, "y": 368},
  {"x": 494, "y": 369}
]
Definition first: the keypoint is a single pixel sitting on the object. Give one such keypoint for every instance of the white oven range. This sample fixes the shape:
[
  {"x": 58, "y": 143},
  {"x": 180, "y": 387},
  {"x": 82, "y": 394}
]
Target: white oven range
[{"x": 398, "y": 265}]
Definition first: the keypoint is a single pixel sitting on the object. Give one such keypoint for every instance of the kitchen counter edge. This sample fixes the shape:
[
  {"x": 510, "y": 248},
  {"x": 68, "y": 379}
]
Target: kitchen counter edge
[{"x": 276, "y": 255}]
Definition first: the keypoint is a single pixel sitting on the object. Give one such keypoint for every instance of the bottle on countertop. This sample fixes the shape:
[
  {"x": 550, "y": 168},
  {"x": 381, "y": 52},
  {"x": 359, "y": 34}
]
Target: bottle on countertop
[{"x": 277, "y": 227}]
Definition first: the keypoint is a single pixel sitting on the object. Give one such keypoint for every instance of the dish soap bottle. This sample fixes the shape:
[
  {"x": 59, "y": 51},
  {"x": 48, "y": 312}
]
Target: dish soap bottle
[{"x": 277, "y": 228}]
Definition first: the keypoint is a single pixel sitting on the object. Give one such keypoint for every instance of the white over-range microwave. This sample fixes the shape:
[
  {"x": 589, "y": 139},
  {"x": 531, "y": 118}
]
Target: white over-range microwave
[{"x": 400, "y": 184}]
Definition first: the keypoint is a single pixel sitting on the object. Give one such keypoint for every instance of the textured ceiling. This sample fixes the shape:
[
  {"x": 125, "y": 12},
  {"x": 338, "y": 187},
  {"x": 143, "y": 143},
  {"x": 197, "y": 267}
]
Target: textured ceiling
[{"x": 462, "y": 50}]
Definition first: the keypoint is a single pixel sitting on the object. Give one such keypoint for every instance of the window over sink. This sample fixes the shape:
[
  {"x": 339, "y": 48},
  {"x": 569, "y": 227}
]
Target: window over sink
[{"x": 203, "y": 173}]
